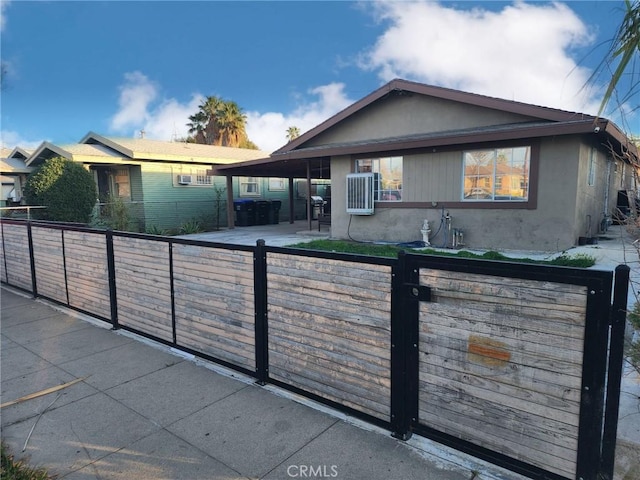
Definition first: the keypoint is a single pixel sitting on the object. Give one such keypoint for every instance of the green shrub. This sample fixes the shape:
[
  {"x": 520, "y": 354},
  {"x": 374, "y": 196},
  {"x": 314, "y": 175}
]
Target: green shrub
[
  {"x": 116, "y": 213},
  {"x": 156, "y": 230},
  {"x": 634, "y": 316},
  {"x": 66, "y": 188},
  {"x": 192, "y": 226},
  {"x": 13, "y": 469}
]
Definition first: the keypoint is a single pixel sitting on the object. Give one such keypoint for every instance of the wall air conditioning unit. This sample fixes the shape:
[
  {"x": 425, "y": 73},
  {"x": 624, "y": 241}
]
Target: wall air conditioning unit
[
  {"x": 185, "y": 179},
  {"x": 360, "y": 193}
]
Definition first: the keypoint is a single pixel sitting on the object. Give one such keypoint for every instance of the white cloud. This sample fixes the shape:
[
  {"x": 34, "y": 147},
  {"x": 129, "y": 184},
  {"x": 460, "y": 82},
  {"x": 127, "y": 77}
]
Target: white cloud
[
  {"x": 140, "y": 109},
  {"x": 136, "y": 95},
  {"x": 11, "y": 139},
  {"x": 3, "y": 13},
  {"x": 521, "y": 52},
  {"x": 269, "y": 130}
]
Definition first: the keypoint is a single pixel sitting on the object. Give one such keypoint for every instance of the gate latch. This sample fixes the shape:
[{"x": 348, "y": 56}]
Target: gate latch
[{"x": 422, "y": 293}]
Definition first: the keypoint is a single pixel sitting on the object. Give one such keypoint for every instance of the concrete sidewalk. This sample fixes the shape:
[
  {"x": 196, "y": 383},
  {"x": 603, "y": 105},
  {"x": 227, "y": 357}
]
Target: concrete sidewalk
[{"x": 145, "y": 412}]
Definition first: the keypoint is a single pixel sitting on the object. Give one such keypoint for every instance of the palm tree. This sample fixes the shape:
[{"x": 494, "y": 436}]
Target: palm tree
[
  {"x": 197, "y": 126},
  {"x": 231, "y": 124},
  {"x": 211, "y": 108},
  {"x": 219, "y": 122},
  {"x": 293, "y": 132},
  {"x": 624, "y": 47}
]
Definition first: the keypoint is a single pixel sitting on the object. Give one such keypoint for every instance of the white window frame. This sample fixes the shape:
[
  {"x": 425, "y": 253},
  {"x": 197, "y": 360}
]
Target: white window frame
[
  {"x": 277, "y": 184},
  {"x": 202, "y": 178},
  {"x": 249, "y": 186}
]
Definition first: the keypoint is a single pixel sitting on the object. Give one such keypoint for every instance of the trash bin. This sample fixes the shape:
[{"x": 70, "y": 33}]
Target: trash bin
[
  {"x": 262, "y": 212},
  {"x": 316, "y": 206},
  {"x": 245, "y": 212},
  {"x": 274, "y": 211}
]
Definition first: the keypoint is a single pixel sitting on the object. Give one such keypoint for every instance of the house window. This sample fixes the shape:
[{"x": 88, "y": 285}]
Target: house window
[
  {"x": 500, "y": 174},
  {"x": 121, "y": 183},
  {"x": 388, "y": 178},
  {"x": 203, "y": 179},
  {"x": 249, "y": 187},
  {"x": 591, "y": 180},
  {"x": 277, "y": 185}
]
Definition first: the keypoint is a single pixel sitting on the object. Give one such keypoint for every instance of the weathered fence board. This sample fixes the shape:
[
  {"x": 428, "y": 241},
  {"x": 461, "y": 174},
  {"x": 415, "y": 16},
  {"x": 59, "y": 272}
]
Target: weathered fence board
[
  {"x": 214, "y": 302},
  {"x": 143, "y": 285},
  {"x": 329, "y": 329},
  {"x": 87, "y": 272},
  {"x": 18, "y": 264},
  {"x": 48, "y": 256},
  {"x": 525, "y": 397}
]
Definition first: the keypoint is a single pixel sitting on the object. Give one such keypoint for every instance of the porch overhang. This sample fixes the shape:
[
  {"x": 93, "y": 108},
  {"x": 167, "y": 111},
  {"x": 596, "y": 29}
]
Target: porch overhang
[{"x": 278, "y": 167}]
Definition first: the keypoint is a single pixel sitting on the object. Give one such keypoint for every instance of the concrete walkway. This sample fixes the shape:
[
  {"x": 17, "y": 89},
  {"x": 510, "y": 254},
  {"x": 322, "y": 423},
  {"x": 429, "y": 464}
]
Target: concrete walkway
[{"x": 143, "y": 411}]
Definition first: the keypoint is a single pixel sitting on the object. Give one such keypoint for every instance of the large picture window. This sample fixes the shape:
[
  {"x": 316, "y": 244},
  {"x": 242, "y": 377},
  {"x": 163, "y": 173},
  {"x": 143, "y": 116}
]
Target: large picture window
[
  {"x": 388, "y": 178},
  {"x": 496, "y": 175}
]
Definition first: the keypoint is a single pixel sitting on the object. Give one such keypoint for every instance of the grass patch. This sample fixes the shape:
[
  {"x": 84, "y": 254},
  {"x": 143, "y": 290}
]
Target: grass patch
[
  {"x": 13, "y": 469},
  {"x": 580, "y": 260}
]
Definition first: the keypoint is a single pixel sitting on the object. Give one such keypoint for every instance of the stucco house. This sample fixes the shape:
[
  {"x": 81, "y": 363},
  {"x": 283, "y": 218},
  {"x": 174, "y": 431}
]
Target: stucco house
[
  {"x": 163, "y": 183},
  {"x": 484, "y": 172}
]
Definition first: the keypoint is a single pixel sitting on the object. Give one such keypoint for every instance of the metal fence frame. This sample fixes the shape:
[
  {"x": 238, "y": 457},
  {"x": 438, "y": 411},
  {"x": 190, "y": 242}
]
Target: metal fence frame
[{"x": 603, "y": 349}]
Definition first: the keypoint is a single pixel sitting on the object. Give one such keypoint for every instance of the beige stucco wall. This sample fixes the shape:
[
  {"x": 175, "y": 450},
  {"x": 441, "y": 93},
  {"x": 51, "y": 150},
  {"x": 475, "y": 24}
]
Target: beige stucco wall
[
  {"x": 436, "y": 177},
  {"x": 411, "y": 114}
]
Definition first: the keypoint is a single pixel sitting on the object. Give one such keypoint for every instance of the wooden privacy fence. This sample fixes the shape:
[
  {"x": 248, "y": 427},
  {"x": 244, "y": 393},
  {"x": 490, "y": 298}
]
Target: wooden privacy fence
[{"x": 516, "y": 364}]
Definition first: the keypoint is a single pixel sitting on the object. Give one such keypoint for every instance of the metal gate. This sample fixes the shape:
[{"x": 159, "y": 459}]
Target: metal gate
[{"x": 516, "y": 364}]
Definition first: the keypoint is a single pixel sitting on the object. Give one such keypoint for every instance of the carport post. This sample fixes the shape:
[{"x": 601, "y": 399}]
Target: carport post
[
  {"x": 292, "y": 211},
  {"x": 309, "y": 208},
  {"x": 230, "y": 212}
]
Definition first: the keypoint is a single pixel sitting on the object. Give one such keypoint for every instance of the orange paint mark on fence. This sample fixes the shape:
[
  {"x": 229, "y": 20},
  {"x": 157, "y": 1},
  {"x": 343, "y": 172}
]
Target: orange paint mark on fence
[{"x": 487, "y": 351}]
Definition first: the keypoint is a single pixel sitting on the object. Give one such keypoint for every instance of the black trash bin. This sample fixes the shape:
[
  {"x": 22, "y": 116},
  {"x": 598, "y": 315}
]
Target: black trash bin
[
  {"x": 262, "y": 212},
  {"x": 245, "y": 212},
  {"x": 274, "y": 212}
]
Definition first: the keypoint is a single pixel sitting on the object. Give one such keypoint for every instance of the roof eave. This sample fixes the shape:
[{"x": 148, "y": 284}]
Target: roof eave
[
  {"x": 93, "y": 137},
  {"x": 447, "y": 140}
]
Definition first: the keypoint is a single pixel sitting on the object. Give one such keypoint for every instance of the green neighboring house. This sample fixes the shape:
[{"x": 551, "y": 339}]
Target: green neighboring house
[
  {"x": 164, "y": 184},
  {"x": 13, "y": 171}
]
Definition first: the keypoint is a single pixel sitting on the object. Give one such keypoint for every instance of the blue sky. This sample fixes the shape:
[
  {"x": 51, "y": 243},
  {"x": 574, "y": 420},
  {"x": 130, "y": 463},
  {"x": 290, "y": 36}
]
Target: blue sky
[{"x": 118, "y": 67}]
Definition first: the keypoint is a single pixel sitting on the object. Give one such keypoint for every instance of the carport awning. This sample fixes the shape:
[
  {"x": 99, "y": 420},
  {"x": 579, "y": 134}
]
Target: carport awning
[{"x": 279, "y": 168}]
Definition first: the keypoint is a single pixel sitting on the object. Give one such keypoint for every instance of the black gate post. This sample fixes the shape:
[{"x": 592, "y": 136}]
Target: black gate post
[
  {"x": 404, "y": 347},
  {"x": 614, "y": 376},
  {"x": 261, "y": 325},
  {"x": 111, "y": 267},
  {"x": 32, "y": 261},
  {"x": 173, "y": 296},
  {"x": 594, "y": 368}
]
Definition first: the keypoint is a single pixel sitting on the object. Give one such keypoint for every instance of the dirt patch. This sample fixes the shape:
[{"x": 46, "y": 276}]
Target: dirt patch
[{"x": 627, "y": 461}]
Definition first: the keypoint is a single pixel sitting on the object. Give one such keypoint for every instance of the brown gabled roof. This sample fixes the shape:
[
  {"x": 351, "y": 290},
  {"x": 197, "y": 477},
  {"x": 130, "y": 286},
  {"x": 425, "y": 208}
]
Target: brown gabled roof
[{"x": 543, "y": 113}]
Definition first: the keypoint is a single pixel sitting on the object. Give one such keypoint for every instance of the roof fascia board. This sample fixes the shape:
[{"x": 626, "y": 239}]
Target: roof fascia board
[
  {"x": 331, "y": 121},
  {"x": 511, "y": 106},
  {"x": 552, "y": 129},
  {"x": 47, "y": 146},
  {"x": 19, "y": 151},
  {"x": 107, "y": 143}
]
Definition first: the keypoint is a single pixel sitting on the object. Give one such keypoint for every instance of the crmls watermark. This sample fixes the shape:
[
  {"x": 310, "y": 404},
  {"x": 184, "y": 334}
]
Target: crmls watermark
[{"x": 312, "y": 471}]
